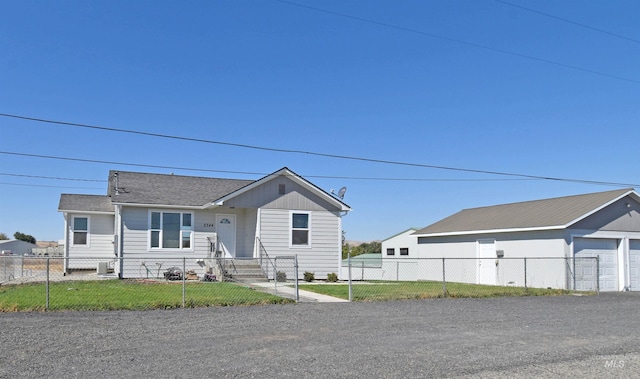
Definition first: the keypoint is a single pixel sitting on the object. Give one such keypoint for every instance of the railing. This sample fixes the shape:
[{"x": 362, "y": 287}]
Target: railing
[{"x": 262, "y": 256}]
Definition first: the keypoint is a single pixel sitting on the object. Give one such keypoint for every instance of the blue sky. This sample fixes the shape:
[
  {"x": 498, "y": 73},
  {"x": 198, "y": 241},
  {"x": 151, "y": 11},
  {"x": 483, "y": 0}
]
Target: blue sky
[{"x": 480, "y": 85}]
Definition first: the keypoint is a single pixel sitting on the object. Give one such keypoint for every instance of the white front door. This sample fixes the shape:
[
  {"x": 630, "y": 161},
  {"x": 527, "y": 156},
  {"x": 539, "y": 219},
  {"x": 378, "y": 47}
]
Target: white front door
[
  {"x": 226, "y": 229},
  {"x": 486, "y": 254}
]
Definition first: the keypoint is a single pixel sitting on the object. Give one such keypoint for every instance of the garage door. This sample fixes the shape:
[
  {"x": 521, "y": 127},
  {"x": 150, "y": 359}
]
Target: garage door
[
  {"x": 634, "y": 265},
  {"x": 586, "y": 269}
]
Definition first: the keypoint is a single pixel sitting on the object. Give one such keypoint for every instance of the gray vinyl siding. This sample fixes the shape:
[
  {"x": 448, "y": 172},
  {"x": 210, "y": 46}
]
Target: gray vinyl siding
[
  {"x": 268, "y": 196},
  {"x": 100, "y": 241},
  {"x": 615, "y": 217},
  {"x": 322, "y": 257}
]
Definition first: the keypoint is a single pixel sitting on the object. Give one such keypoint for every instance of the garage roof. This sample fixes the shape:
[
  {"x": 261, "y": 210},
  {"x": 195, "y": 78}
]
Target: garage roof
[{"x": 555, "y": 213}]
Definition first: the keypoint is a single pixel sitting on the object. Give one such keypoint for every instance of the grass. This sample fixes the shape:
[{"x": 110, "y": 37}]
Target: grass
[
  {"x": 383, "y": 291},
  {"x": 128, "y": 295}
]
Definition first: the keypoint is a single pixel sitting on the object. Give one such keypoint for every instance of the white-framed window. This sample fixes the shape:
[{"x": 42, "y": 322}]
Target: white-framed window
[
  {"x": 170, "y": 230},
  {"x": 80, "y": 231},
  {"x": 300, "y": 231}
]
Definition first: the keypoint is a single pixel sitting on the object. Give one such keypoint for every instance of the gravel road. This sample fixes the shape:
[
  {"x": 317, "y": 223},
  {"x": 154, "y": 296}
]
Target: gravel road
[{"x": 542, "y": 337}]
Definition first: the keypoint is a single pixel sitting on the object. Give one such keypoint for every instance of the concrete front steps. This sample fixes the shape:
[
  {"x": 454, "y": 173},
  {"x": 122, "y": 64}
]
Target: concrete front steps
[{"x": 243, "y": 270}]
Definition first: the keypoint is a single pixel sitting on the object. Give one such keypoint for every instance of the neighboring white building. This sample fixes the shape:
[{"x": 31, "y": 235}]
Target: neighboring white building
[
  {"x": 398, "y": 256},
  {"x": 151, "y": 216},
  {"x": 604, "y": 224}
]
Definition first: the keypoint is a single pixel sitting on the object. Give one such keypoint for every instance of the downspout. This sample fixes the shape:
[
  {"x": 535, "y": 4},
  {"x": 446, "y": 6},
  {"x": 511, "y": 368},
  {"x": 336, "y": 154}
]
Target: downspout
[
  {"x": 119, "y": 247},
  {"x": 66, "y": 244}
]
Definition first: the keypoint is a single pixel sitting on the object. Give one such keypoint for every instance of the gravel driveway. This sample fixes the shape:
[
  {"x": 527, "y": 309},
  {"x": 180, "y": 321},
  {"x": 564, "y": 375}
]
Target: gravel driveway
[{"x": 477, "y": 338}]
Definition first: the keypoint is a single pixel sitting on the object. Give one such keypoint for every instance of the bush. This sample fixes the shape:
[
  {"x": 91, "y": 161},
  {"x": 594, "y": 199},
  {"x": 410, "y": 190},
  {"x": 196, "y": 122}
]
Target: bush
[
  {"x": 309, "y": 276},
  {"x": 332, "y": 277},
  {"x": 281, "y": 276}
]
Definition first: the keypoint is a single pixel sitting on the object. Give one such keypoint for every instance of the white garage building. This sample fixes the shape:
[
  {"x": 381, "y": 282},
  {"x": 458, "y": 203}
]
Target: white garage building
[{"x": 603, "y": 224}]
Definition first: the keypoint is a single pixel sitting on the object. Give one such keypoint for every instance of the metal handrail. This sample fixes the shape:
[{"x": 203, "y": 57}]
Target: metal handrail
[{"x": 262, "y": 249}]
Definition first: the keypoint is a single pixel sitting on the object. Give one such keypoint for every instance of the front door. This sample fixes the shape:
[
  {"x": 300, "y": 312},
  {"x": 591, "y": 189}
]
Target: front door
[{"x": 226, "y": 229}]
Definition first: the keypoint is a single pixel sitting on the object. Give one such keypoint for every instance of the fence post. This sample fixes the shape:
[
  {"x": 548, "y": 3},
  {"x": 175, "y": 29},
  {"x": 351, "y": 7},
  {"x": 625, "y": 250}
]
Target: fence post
[
  {"x": 350, "y": 287},
  {"x": 184, "y": 280},
  {"x": 275, "y": 275},
  {"x": 525, "y": 273},
  {"x": 444, "y": 282},
  {"x": 295, "y": 270},
  {"x": 47, "y": 287},
  {"x": 397, "y": 270}
]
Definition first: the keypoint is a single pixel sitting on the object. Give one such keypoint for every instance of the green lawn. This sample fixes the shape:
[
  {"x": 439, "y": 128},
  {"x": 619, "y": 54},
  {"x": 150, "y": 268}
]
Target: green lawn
[
  {"x": 380, "y": 291},
  {"x": 131, "y": 295}
]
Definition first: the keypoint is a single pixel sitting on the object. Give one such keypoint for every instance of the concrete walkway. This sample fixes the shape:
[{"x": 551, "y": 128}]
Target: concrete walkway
[{"x": 288, "y": 291}]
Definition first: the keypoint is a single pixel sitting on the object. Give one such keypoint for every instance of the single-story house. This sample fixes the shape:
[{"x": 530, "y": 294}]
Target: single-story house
[
  {"x": 145, "y": 217},
  {"x": 566, "y": 229},
  {"x": 16, "y": 247}
]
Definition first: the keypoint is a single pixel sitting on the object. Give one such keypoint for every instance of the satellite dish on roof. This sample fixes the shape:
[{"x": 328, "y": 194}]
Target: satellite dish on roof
[{"x": 341, "y": 192}]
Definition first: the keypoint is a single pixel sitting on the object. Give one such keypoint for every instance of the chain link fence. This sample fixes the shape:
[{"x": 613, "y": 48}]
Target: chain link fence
[
  {"x": 41, "y": 283},
  {"x": 377, "y": 278}
]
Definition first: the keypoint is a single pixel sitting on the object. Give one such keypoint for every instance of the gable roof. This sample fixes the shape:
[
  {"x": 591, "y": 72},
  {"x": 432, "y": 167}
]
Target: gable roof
[
  {"x": 85, "y": 203},
  {"x": 294, "y": 177},
  {"x": 145, "y": 189},
  {"x": 555, "y": 213},
  {"x": 401, "y": 233}
]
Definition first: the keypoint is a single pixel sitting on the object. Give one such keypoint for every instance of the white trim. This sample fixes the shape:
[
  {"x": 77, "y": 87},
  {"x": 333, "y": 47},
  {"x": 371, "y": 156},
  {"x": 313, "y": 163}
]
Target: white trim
[
  {"x": 309, "y": 229},
  {"x": 470, "y": 232},
  {"x": 600, "y": 208},
  {"x": 289, "y": 174},
  {"x": 191, "y": 247},
  {"x": 73, "y": 231}
]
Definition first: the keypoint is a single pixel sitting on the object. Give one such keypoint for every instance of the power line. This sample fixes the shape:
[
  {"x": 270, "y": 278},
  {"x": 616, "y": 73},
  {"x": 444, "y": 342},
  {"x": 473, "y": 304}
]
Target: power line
[
  {"x": 520, "y": 176},
  {"x": 52, "y": 177},
  {"x": 568, "y": 21},
  {"x": 42, "y": 185},
  {"x": 459, "y": 41},
  {"x": 326, "y": 155},
  {"x": 240, "y": 172}
]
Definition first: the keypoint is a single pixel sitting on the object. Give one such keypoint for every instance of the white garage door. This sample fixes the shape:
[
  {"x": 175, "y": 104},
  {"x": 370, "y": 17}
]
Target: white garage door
[
  {"x": 586, "y": 269},
  {"x": 634, "y": 265}
]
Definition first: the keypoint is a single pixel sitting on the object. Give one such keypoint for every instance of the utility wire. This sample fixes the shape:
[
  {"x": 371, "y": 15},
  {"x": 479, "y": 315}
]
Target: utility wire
[
  {"x": 568, "y": 21},
  {"x": 241, "y": 172},
  {"x": 52, "y": 177},
  {"x": 459, "y": 41},
  {"x": 42, "y": 185},
  {"x": 336, "y": 156}
]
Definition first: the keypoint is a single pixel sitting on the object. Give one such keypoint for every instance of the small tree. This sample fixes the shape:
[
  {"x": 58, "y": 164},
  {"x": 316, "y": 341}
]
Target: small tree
[
  {"x": 24, "y": 237},
  {"x": 3, "y": 237}
]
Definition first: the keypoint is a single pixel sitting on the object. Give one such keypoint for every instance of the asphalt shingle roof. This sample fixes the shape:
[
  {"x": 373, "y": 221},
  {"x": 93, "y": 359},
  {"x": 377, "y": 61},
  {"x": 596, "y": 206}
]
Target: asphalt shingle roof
[
  {"x": 86, "y": 203},
  {"x": 162, "y": 189},
  {"x": 529, "y": 214}
]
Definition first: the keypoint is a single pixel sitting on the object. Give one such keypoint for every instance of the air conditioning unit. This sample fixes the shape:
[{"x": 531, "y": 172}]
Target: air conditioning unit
[{"x": 103, "y": 268}]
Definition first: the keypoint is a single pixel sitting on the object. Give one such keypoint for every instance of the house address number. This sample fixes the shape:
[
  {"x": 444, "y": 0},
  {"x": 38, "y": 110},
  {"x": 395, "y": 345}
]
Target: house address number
[{"x": 206, "y": 225}]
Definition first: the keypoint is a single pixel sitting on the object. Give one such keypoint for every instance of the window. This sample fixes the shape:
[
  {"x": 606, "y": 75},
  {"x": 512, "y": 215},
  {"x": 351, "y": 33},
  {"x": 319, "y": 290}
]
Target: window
[
  {"x": 170, "y": 230},
  {"x": 404, "y": 251},
  {"x": 391, "y": 251},
  {"x": 300, "y": 230},
  {"x": 80, "y": 230}
]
